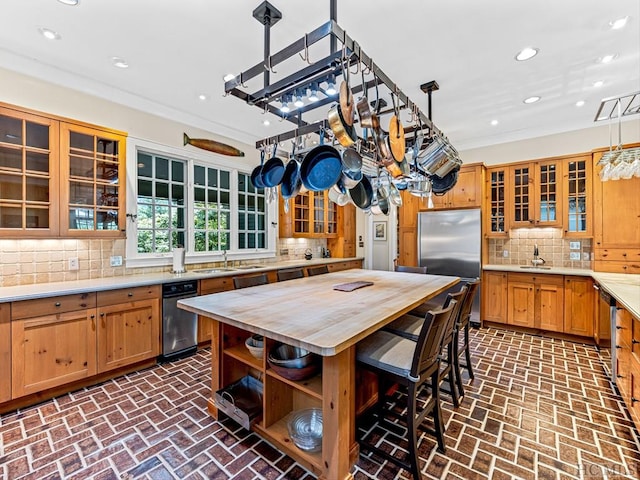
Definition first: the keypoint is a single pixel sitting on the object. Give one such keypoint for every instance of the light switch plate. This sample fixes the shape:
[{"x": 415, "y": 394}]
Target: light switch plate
[
  {"x": 574, "y": 255},
  {"x": 574, "y": 245},
  {"x": 116, "y": 261}
]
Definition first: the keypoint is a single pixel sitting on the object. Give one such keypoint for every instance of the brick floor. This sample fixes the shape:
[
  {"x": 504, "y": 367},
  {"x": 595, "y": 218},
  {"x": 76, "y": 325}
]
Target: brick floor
[{"x": 538, "y": 408}]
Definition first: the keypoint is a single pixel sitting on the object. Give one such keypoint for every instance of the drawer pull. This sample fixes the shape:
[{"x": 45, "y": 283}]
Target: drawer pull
[
  {"x": 58, "y": 304},
  {"x": 618, "y": 346},
  {"x": 130, "y": 294},
  {"x": 618, "y": 327},
  {"x": 635, "y": 342},
  {"x": 634, "y": 400},
  {"x": 620, "y": 376}
]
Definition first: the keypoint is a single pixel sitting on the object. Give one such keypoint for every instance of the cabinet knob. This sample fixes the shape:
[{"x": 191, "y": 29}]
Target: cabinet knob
[
  {"x": 635, "y": 342},
  {"x": 58, "y": 304},
  {"x": 102, "y": 314},
  {"x": 618, "y": 327},
  {"x": 624, "y": 254},
  {"x": 619, "y": 376},
  {"x": 130, "y": 294},
  {"x": 634, "y": 400},
  {"x": 618, "y": 346}
]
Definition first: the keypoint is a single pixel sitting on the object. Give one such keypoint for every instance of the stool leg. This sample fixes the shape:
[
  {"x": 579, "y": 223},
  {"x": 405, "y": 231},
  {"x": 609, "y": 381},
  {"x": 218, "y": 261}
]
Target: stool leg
[
  {"x": 456, "y": 362},
  {"x": 451, "y": 375},
  {"x": 437, "y": 414},
  {"x": 412, "y": 428},
  {"x": 467, "y": 352}
]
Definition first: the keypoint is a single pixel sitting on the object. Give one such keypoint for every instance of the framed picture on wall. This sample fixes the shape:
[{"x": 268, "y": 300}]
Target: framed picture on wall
[{"x": 380, "y": 231}]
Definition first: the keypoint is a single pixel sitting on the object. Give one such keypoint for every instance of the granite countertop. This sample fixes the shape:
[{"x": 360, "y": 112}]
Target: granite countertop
[
  {"x": 43, "y": 290},
  {"x": 547, "y": 270},
  {"x": 624, "y": 287}
]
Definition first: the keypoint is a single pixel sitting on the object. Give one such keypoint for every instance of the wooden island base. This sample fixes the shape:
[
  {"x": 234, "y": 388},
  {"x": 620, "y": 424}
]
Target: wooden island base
[{"x": 310, "y": 314}]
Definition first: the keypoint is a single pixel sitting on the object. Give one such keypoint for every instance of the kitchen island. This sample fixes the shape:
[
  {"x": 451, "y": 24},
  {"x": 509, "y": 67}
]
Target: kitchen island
[{"x": 309, "y": 313}]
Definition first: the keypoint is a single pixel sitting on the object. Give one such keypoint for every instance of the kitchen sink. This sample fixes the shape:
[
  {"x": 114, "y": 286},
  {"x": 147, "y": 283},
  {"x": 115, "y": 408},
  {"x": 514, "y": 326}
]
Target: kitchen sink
[
  {"x": 213, "y": 270},
  {"x": 247, "y": 267},
  {"x": 535, "y": 267}
]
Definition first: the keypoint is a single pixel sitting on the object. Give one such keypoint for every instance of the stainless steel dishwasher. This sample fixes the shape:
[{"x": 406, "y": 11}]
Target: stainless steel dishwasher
[{"x": 179, "y": 327}]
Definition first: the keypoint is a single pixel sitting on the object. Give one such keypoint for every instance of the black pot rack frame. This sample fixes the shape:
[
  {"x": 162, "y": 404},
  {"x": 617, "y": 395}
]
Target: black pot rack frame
[{"x": 323, "y": 70}]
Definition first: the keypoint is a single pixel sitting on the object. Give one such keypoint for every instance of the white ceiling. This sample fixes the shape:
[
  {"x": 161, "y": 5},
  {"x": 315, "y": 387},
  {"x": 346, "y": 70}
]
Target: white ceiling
[{"x": 179, "y": 49}]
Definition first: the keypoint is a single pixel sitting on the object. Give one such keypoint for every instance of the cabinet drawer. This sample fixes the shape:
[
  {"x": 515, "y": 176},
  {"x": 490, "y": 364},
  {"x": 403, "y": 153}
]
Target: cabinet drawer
[
  {"x": 214, "y": 285},
  {"x": 635, "y": 338},
  {"x": 124, "y": 295},
  {"x": 617, "y": 267},
  {"x": 47, "y": 306},
  {"x": 627, "y": 255}
]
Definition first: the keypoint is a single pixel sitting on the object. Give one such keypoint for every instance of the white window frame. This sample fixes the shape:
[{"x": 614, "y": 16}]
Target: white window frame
[{"x": 135, "y": 259}]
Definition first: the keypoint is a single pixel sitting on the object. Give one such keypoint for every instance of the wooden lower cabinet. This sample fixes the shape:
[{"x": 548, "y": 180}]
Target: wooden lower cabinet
[
  {"x": 208, "y": 286},
  {"x": 5, "y": 352},
  {"x": 536, "y": 301},
  {"x": 128, "y": 333},
  {"x": 51, "y": 350},
  {"x": 579, "y": 306},
  {"x": 624, "y": 335},
  {"x": 338, "y": 266},
  {"x": 494, "y": 297},
  {"x": 521, "y": 303}
]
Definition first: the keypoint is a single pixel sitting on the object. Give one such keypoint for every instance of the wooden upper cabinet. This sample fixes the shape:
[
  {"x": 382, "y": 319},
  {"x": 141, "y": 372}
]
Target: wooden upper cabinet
[
  {"x": 28, "y": 174},
  {"x": 496, "y": 204},
  {"x": 58, "y": 178},
  {"x": 92, "y": 180},
  {"x": 465, "y": 193},
  {"x": 535, "y": 194},
  {"x": 578, "y": 197},
  {"x": 343, "y": 245},
  {"x": 310, "y": 215}
]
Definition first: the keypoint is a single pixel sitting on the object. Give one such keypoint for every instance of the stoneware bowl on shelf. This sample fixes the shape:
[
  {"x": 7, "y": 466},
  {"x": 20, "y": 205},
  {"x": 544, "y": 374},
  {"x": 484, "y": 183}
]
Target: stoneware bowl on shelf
[
  {"x": 305, "y": 429},
  {"x": 255, "y": 345},
  {"x": 293, "y": 363}
]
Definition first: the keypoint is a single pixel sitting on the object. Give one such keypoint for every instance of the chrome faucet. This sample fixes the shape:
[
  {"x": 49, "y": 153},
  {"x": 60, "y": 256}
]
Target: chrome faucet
[
  {"x": 224, "y": 253},
  {"x": 537, "y": 261}
]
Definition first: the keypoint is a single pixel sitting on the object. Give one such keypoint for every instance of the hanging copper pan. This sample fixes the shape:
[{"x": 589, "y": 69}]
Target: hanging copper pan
[{"x": 396, "y": 134}]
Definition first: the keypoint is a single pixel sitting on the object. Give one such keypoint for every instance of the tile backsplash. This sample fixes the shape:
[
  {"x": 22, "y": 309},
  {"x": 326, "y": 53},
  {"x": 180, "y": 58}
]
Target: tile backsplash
[
  {"x": 25, "y": 262},
  {"x": 552, "y": 247}
]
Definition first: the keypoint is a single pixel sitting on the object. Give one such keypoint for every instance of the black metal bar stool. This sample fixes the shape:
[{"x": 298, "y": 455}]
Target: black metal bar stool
[
  {"x": 409, "y": 326},
  {"x": 414, "y": 366}
]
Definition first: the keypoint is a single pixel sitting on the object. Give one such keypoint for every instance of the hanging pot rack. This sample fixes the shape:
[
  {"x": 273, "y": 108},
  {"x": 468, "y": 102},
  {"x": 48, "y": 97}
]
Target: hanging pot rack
[{"x": 318, "y": 72}]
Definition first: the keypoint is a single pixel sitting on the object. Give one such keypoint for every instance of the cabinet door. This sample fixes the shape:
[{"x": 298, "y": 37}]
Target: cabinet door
[
  {"x": 549, "y": 307},
  {"x": 521, "y": 304},
  {"x": 497, "y": 190},
  {"x": 547, "y": 205},
  {"x": 494, "y": 304},
  {"x": 52, "y": 350},
  {"x": 616, "y": 215},
  {"x": 128, "y": 333},
  {"x": 466, "y": 193},
  {"x": 408, "y": 212},
  {"x": 521, "y": 196},
  {"x": 408, "y": 246},
  {"x": 579, "y": 306},
  {"x": 441, "y": 201},
  {"x": 5, "y": 352},
  {"x": 28, "y": 174},
  {"x": 92, "y": 181},
  {"x": 578, "y": 197},
  {"x": 344, "y": 244}
]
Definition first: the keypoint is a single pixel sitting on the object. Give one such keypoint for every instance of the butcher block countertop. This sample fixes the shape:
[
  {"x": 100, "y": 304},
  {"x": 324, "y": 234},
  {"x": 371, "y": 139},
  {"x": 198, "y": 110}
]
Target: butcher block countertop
[{"x": 309, "y": 313}]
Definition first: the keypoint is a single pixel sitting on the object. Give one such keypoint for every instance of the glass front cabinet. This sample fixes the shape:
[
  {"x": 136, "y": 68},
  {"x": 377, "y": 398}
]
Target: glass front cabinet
[
  {"x": 58, "y": 178},
  {"x": 536, "y": 194},
  {"x": 578, "y": 196},
  {"x": 497, "y": 189}
]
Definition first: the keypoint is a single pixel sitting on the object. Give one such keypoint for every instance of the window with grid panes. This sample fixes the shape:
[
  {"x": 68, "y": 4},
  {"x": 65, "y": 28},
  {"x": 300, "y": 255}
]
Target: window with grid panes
[
  {"x": 211, "y": 209},
  {"x": 251, "y": 214},
  {"x": 161, "y": 203}
]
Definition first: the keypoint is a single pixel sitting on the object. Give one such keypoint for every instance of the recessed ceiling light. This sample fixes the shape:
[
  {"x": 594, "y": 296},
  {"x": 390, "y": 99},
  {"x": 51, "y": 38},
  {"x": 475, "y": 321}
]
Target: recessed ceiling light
[
  {"x": 580, "y": 103},
  {"x": 266, "y": 123},
  {"x": 598, "y": 84},
  {"x": 494, "y": 122},
  {"x": 607, "y": 58},
  {"x": 119, "y": 62},
  {"x": 618, "y": 23},
  {"x": 533, "y": 99},
  {"x": 526, "y": 53},
  {"x": 228, "y": 76},
  {"x": 49, "y": 34},
  {"x": 202, "y": 96},
  {"x": 73, "y": 3}
]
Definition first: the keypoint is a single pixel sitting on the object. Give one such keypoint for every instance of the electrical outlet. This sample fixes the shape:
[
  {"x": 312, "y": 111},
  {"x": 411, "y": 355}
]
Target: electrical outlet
[
  {"x": 586, "y": 256},
  {"x": 116, "y": 261},
  {"x": 574, "y": 245},
  {"x": 574, "y": 255},
  {"x": 505, "y": 253},
  {"x": 73, "y": 263},
  {"x": 284, "y": 251}
]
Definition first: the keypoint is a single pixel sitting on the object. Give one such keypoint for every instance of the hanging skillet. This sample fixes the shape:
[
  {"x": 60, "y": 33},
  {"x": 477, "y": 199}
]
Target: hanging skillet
[
  {"x": 396, "y": 133},
  {"x": 346, "y": 97},
  {"x": 321, "y": 167},
  {"x": 273, "y": 170},
  {"x": 440, "y": 186},
  {"x": 256, "y": 174}
]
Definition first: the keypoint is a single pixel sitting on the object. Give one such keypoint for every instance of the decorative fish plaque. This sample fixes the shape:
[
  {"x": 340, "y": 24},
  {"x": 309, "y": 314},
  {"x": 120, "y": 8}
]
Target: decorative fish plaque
[{"x": 212, "y": 146}]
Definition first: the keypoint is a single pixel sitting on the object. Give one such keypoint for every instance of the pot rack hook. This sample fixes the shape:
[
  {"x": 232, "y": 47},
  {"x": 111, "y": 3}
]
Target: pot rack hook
[
  {"x": 242, "y": 82},
  {"x": 358, "y": 68},
  {"x": 305, "y": 57},
  {"x": 268, "y": 65}
]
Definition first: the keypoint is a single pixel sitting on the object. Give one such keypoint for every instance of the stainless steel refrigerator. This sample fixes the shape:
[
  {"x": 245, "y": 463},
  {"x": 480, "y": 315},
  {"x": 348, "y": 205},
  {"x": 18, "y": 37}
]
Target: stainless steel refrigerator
[{"x": 449, "y": 243}]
